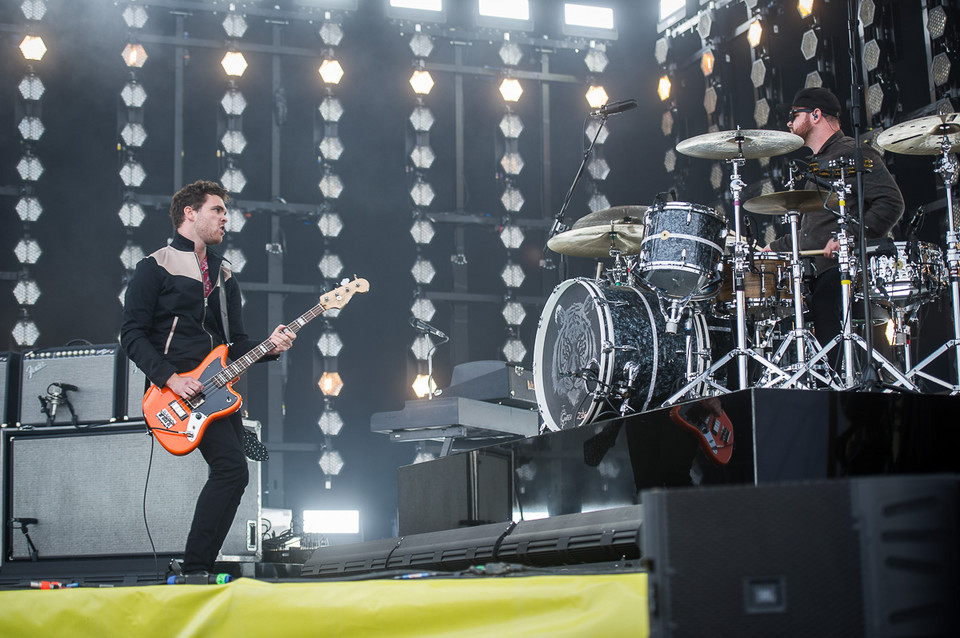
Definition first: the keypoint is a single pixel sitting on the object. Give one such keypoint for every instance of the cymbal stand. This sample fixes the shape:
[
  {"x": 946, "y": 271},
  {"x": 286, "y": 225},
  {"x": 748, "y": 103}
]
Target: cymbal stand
[
  {"x": 740, "y": 253},
  {"x": 947, "y": 169},
  {"x": 804, "y": 339},
  {"x": 848, "y": 270}
]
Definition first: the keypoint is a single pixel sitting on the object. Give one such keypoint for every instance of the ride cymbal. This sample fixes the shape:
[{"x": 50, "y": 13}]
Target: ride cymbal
[
  {"x": 748, "y": 143},
  {"x": 787, "y": 201},
  {"x": 598, "y": 241}
]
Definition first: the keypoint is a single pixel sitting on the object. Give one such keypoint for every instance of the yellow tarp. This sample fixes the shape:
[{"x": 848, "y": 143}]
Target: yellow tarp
[{"x": 598, "y": 605}]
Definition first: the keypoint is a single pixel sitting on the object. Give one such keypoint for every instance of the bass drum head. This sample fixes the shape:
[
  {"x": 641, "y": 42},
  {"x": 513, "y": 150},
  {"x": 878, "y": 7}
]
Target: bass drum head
[
  {"x": 569, "y": 337},
  {"x": 589, "y": 339}
]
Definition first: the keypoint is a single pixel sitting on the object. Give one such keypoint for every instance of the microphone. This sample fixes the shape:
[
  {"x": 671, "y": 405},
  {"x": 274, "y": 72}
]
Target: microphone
[
  {"x": 425, "y": 327},
  {"x": 612, "y": 108},
  {"x": 26, "y": 521}
]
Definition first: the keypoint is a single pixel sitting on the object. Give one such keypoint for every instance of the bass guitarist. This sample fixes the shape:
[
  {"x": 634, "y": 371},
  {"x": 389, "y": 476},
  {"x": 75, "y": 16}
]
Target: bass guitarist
[{"x": 181, "y": 303}]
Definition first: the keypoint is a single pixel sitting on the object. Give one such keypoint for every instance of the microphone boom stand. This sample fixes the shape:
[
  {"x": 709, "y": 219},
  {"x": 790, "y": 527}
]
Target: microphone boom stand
[
  {"x": 558, "y": 225},
  {"x": 870, "y": 376}
]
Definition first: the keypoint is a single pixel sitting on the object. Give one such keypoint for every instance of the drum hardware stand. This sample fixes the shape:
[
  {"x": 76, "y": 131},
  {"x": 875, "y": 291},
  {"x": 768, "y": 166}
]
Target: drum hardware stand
[
  {"x": 870, "y": 375},
  {"x": 749, "y": 144},
  {"x": 849, "y": 338},
  {"x": 947, "y": 169},
  {"x": 804, "y": 339},
  {"x": 673, "y": 314},
  {"x": 619, "y": 274},
  {"x": 741, "y": 352}
]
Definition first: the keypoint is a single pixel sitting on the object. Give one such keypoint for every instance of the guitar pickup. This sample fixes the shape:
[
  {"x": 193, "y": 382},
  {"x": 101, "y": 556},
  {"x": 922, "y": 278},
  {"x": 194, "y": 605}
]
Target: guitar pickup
[
  {"x": 178, "y": 410},
  {"x": 165, "y": 419},
  {"x": 717, "y": 424}
]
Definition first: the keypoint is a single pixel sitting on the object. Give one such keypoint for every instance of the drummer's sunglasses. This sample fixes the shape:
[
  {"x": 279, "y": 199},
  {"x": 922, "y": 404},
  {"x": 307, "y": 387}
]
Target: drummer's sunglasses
[{"x": 795, "y": 112}]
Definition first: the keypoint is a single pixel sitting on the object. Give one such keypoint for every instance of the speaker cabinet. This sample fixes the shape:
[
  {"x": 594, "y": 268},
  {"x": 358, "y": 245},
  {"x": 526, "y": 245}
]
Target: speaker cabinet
[
  {"x": 460, "y": 490},
  {"x": 9, "y": 387},
  {"x": 864, "y": 557},
  {"x": 86, "y": 490},
  {"x": 91, "y": 370}
]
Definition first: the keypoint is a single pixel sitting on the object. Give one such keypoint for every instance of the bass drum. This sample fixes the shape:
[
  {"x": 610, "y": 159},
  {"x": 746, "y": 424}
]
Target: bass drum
[{"x": 598, "y": 346}]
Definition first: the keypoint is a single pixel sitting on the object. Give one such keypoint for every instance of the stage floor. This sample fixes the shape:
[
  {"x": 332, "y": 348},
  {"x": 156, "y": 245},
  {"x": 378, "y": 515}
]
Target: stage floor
[{"x": 607, "y": 605}]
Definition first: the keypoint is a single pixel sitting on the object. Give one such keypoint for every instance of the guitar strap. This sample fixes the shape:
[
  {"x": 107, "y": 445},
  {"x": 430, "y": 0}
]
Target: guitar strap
[{"x": 223, "y": 307}]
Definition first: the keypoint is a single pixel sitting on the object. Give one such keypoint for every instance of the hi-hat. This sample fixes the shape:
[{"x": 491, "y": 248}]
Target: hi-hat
[
  {"x": 747, "y": 143},
  {"x": 599, "y": 241},
  {"x": 787, "y": 201},
  {"x": 616, "y": 215},
  {"x": 922, "y": 136}
]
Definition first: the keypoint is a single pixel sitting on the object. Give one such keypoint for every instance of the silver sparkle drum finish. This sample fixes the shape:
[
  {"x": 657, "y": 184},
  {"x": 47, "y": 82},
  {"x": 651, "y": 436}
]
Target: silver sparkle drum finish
[
  {"x": 598, "y": 346},
  {"x": 916, "y": 275},
  {"x": 682, "y": 248}
]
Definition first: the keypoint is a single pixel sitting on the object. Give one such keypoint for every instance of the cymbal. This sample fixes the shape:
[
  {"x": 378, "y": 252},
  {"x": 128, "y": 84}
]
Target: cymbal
[
  {"x": 752, "y": 143},
  {"x": 617, "y": 215},
  {"x": 786, "y": 201},
  {"x": 598, "y": 241},
  {"x": 922, "y": 136}
]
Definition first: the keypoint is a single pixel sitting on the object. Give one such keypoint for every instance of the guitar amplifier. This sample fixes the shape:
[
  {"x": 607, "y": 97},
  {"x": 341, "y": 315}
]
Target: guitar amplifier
[
  {"x": 9, "y": 387},
  {"x": 86, "y": 376},
  {"x": 86, "y": 490}
]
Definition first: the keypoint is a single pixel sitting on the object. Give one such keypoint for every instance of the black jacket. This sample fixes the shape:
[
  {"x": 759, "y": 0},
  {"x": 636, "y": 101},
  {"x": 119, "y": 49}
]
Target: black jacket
[
  {"x": 883, "y": 203},
  {"x": 168, "y": 325}
]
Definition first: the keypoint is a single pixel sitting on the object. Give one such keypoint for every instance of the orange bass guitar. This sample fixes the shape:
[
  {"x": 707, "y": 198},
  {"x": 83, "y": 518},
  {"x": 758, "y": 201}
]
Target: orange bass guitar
[{"x": 178, "y": 423}]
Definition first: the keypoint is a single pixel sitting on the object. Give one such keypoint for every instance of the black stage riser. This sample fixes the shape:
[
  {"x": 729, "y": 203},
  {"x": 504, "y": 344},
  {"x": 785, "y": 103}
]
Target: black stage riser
[
  {"x": 779, "y": 436},
  {"x": 862, "y": 557},
  {"x": 86, "y": 488}
]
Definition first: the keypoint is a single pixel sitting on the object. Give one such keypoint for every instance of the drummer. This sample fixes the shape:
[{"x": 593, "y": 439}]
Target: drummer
[{"x": 814, "y": 115}]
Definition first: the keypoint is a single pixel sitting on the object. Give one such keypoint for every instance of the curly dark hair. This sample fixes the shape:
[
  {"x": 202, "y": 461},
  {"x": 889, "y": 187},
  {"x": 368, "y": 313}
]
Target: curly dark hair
[{"x": 193, "y": 195}]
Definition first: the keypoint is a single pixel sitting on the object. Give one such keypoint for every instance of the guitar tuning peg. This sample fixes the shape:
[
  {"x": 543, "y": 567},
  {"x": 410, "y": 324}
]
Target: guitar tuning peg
[{"x": 344, "y": 281}]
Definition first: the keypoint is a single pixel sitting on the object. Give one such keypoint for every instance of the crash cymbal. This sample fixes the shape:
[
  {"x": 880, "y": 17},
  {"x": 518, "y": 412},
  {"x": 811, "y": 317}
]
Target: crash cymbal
[
  {"x": 617, "y": 215},
  {"x": 753, "y": 143},
  {"x": 786, "y": 201},
  {"x": 598, "y": 241},
  {"x": 922, "y": 136}
]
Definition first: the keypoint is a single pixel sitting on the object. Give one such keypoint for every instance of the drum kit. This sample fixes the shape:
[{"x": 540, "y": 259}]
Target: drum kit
[{"x": 613, "y": 345}]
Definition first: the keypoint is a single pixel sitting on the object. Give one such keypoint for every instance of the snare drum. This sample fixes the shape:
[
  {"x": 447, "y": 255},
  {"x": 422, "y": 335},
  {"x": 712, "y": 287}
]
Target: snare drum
[
  {"x": 597, "y": 343},
  {"x": 682, "y": 248},
  {"x": 767, "y": 285},
  {"x": 916, "y": 275}
]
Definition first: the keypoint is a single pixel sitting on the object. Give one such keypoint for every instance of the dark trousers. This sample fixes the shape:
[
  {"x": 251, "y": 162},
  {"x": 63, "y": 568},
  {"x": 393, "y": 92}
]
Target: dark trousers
[
  {"x": 826, "y": 311},
  {"x": 222, "y": 448}
]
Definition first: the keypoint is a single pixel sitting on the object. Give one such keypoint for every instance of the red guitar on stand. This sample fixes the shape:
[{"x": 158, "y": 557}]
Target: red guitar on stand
[{"x": 178, "y": 423}]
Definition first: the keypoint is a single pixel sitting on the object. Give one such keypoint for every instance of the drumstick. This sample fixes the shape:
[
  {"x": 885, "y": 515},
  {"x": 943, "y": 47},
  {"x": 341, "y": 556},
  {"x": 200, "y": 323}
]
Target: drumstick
[{"x": 813, "y": 252}]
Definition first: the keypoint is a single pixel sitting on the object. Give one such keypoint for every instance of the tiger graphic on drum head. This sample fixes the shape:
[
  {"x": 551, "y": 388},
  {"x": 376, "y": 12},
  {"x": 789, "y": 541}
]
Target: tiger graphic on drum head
[
  {"x": 603, "y": 350},
  {"x": 575, "y": 347}
]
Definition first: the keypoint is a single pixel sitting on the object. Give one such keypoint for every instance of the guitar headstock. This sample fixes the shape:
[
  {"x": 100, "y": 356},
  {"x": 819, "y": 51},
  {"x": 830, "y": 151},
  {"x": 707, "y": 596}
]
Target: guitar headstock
[{"x": 338, "y": 297}]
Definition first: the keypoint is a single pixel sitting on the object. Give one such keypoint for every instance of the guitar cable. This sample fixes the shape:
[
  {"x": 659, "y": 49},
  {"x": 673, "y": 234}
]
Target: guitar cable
[{"x": 146, "y": 484}]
